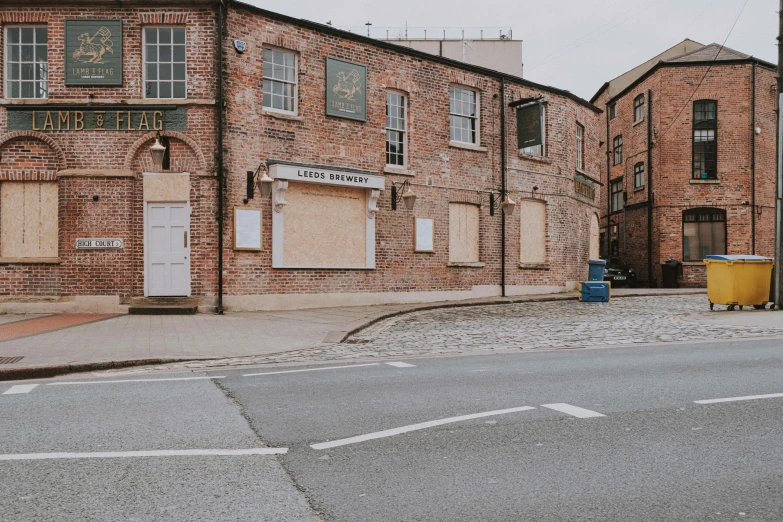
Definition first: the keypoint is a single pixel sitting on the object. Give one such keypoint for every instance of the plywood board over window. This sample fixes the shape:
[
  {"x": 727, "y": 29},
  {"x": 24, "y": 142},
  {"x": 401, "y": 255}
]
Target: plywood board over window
[
  {"x": 325, "y": 226},
  {"x": 28, "y": 219},
  {"x": 532, "y": 231},
  {"x": 463, "y": 233}
]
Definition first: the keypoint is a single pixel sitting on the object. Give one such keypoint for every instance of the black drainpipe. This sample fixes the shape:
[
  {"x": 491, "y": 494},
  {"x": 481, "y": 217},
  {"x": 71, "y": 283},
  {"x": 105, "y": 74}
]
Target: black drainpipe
[
  {"x": 608, "y": 188},
  {"x": 220, "y": 180},
  {"x": 503, "y": 185},
  {"x": 649, "y": 192},
  {"x": 753, "y": 160}
]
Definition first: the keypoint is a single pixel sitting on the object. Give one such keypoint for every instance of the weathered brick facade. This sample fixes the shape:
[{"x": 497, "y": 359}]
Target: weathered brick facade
[
  {"x": 101, "y": 186},
  {"x": 745, "y": 134}
]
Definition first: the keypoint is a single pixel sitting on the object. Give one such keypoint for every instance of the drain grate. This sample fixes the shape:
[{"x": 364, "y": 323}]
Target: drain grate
[{"x": 11, "y": 360}]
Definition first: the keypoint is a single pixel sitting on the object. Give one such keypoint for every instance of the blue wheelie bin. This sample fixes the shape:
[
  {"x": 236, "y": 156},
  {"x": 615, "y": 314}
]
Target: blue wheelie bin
[{"x": 597, "y": 269}]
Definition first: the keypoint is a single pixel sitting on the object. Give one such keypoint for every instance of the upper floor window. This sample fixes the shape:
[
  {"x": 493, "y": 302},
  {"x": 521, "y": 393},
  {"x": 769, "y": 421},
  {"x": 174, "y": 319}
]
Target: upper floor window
[
  {"x": 612, "y": 111},
  {"x": 618, "y": 149},
  {"x": 638, "y": 108},
  {"x": 616, "y": 189},
  {"x": 705, "y": 145},
  {"x": 580, "y": 147},
  {"x": 463, "y": 113},
  {"x": 280, "y": 81},
  {"x": 703, "y": 233},
  {"x": 396, "y": 129},
  {"x": 164, "y": 63},
  {"x": 538, "y": 150},
  {"x": 638, "y": 175},
  {"x": 26, "y": 62}
]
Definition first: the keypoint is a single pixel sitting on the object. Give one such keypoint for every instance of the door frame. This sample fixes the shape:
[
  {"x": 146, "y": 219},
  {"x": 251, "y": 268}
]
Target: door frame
[{"x": 146, "y": 246}]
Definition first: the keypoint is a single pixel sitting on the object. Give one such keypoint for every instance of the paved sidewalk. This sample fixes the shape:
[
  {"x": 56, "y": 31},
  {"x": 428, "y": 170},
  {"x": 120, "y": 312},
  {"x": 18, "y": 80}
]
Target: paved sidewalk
[{"x": 139, "y": 339}]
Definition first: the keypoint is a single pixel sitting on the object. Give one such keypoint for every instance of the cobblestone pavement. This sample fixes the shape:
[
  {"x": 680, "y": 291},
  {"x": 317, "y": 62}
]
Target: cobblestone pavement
[{"x": 522, "y": 326}]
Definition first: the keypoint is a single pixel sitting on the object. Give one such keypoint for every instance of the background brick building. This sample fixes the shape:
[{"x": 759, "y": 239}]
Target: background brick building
[{"x": 694, "y": 127}]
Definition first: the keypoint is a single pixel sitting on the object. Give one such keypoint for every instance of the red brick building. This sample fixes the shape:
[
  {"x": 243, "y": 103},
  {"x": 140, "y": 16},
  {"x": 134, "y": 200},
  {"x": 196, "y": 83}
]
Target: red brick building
[
  {"x": 339, "y": 122},
  {"x": 690, "y": 157}
]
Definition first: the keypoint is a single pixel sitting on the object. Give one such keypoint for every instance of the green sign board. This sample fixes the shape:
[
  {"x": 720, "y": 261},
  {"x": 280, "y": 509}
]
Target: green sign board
[
  {"x": 529, "y": 131},
  {"x": 93, "y": 52},
  {"x": 116, "y": 119},
  {"x": 346, "y": 90}
]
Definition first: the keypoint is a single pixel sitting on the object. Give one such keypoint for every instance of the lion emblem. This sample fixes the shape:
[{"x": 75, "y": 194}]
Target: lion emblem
[
  {"x": 90, "y": 52},
  {"x": 347, "y": 85}
]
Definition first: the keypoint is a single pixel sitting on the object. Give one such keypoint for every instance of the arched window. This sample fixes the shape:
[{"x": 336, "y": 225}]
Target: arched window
[
  {"x": 703, "y": 233},
  {"x": 705, "y": 139}
]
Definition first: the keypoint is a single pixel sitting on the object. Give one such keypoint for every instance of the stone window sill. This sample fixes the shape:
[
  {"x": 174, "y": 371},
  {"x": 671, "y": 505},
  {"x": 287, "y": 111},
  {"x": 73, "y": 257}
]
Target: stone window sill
[
  {"x": 107, "y": 101},
  {"x": 533, "y": 157},
  {"x": 637, "y": 189},
  {"x": 638, "y": 122},
  {"x": 534, "y": 266},
  {"x": 704, "y": 182},
  {"x": 282, "y": 115},
  {"x": 455, "y": 264},
  {"x": 96, "y": 173},
  {"x": 467, "y": 146},
  {"x": 30, "y": 261},
  {"x": 399, "y": 172},
  {"x": 693, "y": 263}
]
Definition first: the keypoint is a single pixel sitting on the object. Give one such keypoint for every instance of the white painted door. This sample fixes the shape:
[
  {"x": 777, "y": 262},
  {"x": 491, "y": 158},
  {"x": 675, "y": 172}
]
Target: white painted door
[{"x": 168, "y": 249}]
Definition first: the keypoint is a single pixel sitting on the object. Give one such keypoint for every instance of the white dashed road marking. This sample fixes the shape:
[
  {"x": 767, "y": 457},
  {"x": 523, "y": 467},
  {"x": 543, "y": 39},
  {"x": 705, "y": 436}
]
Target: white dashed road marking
[
  {"x": 401, "y": 365},
  {"x": 415, "y": 427},
  {"x": 20, "y": 388},
  {"x": 746, "y": 398},
  {"x": 312, "y": 369},
  {"x": 138, "y": 380},
  {"x": 575, "y": 411},
  {"x": 154, "y": 453}
]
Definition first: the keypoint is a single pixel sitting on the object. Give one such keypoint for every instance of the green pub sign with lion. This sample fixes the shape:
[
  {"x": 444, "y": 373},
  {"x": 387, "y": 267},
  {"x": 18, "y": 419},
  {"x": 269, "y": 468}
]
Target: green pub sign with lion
[
  {"x": 346, "y": 90},
  {"x": 93, "y": 52}
]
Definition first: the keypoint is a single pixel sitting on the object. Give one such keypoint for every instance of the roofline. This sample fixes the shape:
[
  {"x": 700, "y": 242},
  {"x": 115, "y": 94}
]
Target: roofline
[
  {"x": 661, "y": 64},
  {"x": 599, "y": 92},
  {"x": 386, "y": 44}
]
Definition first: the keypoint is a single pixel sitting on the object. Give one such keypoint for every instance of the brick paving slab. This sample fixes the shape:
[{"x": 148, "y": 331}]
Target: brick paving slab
[{"x": 25, "y": 327}]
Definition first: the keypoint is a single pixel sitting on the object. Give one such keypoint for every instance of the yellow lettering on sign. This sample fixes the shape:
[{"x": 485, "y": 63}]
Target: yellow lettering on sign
[
  {"x": 99, "y": 120},
  {"x": 63, "y": 118},
  {"x": 48, "y": 123},
  {"x": 129, "y": 121},
  {"x": 143, "y": 123},
  {"x": 119, "y": 119},
  {"x": 34, "y": 127},
  {"x": 157, "y": 124},
  {"x": 78, "y": 120}
]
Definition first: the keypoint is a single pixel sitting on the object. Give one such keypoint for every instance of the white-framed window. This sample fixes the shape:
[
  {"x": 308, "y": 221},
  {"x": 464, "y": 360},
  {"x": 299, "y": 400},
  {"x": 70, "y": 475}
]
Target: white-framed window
[
  {"x": 464, "y": 115},
  {"x": 538, "y": 150},
  {"x": 280, "y": 81},
  {"x": 580, "y": 144},
  {"x": 26, "y": 61},
  {"x": 396, "y": 129},
  {"x": 165, "y": 74},
  {"x": 638, "y": 108}
]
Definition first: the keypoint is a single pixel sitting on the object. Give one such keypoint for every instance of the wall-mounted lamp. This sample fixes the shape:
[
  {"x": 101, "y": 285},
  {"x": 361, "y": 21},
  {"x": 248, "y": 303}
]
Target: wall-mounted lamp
[
  {"x": 157, "y": 151},
  {"x": 264, "y": 182},
  {"x": 405, "y": 193},
  {"x": 504, "y": 201}
]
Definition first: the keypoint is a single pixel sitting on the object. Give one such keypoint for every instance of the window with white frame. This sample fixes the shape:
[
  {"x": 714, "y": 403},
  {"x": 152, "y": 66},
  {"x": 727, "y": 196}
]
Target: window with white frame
[
  {"x": 580, "y": 147},
  {"x": 26, "y": 62},
  {"x": 396, "y": 129},
  {"x": 279, "y": 80},
  {"x": 164, "y": 63},
  {"x": 538, "y": 150},
  {"x": 463, "y": 112},
  {"x": 638, "y": 108}
]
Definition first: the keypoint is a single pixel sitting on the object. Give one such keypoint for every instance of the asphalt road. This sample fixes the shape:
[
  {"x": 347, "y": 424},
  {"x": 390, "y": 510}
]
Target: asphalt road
[{"x": 591, "y": 434}]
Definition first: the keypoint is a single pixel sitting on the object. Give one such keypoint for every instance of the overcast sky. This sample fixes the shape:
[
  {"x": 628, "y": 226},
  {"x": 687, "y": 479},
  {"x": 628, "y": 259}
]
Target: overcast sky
[{"x": 571, "y": 44}]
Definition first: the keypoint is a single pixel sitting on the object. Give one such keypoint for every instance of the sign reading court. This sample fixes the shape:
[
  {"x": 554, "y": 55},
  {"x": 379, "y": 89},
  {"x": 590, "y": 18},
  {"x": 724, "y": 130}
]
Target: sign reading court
[{"x": 92, "y": 244}]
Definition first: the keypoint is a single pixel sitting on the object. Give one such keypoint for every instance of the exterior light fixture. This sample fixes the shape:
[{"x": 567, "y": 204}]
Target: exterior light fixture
[
  {"x": 508, "y": 205},
  {"x": 157, "y": 151},
  {"x": 502, "y": 200},
  {"x": 264, "y": 182},
  {"x": 405, "y": 193}
]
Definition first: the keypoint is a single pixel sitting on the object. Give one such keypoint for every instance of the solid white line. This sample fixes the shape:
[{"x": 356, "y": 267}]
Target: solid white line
[
  {"x": 20, "y": 388},
  {"x": 401, "y": 365},
  {"x": 746, "y": 398},
  {"x": 414, "y": 427},
  {"x": 576, "y": 411},
  {"x": 154, "y": 453},
  {"x": 138, "y": 380},
  {"x": 311, "y": 369}
]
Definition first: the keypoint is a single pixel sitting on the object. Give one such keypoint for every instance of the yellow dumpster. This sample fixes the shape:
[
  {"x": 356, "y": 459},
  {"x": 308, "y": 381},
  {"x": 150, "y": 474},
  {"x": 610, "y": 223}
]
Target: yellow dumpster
[{"x": 738, "y": 280}]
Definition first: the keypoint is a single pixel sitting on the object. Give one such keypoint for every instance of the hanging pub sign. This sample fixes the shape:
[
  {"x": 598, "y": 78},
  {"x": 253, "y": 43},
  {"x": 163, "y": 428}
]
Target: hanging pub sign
[
  {"x": 529, "y": 131},
  {"x": 93, "y": 52},
  {"x": 346, "y": 90}
]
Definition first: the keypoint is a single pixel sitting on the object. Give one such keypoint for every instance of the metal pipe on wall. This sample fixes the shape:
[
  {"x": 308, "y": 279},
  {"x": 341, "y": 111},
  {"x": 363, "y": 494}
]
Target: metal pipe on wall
[
  {"x": 503, "y": 185},
  {"x": 220, "y": 177},
  {"x": 650, "y": 279},
  {"x": 753, "y": 159}
]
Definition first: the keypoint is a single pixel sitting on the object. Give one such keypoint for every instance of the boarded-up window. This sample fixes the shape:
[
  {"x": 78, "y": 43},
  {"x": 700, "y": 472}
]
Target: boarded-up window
[
  {"x": 325, "y": 226},
  {"x": 532, "y": 231},
  {"x": 463, "y": 233},
  {"x": 28, "y": 219}
]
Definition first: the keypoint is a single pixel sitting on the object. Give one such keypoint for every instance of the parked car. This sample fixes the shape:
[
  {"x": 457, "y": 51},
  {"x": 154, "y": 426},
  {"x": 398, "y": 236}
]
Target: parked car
[{"x": 619, "y": 272}]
